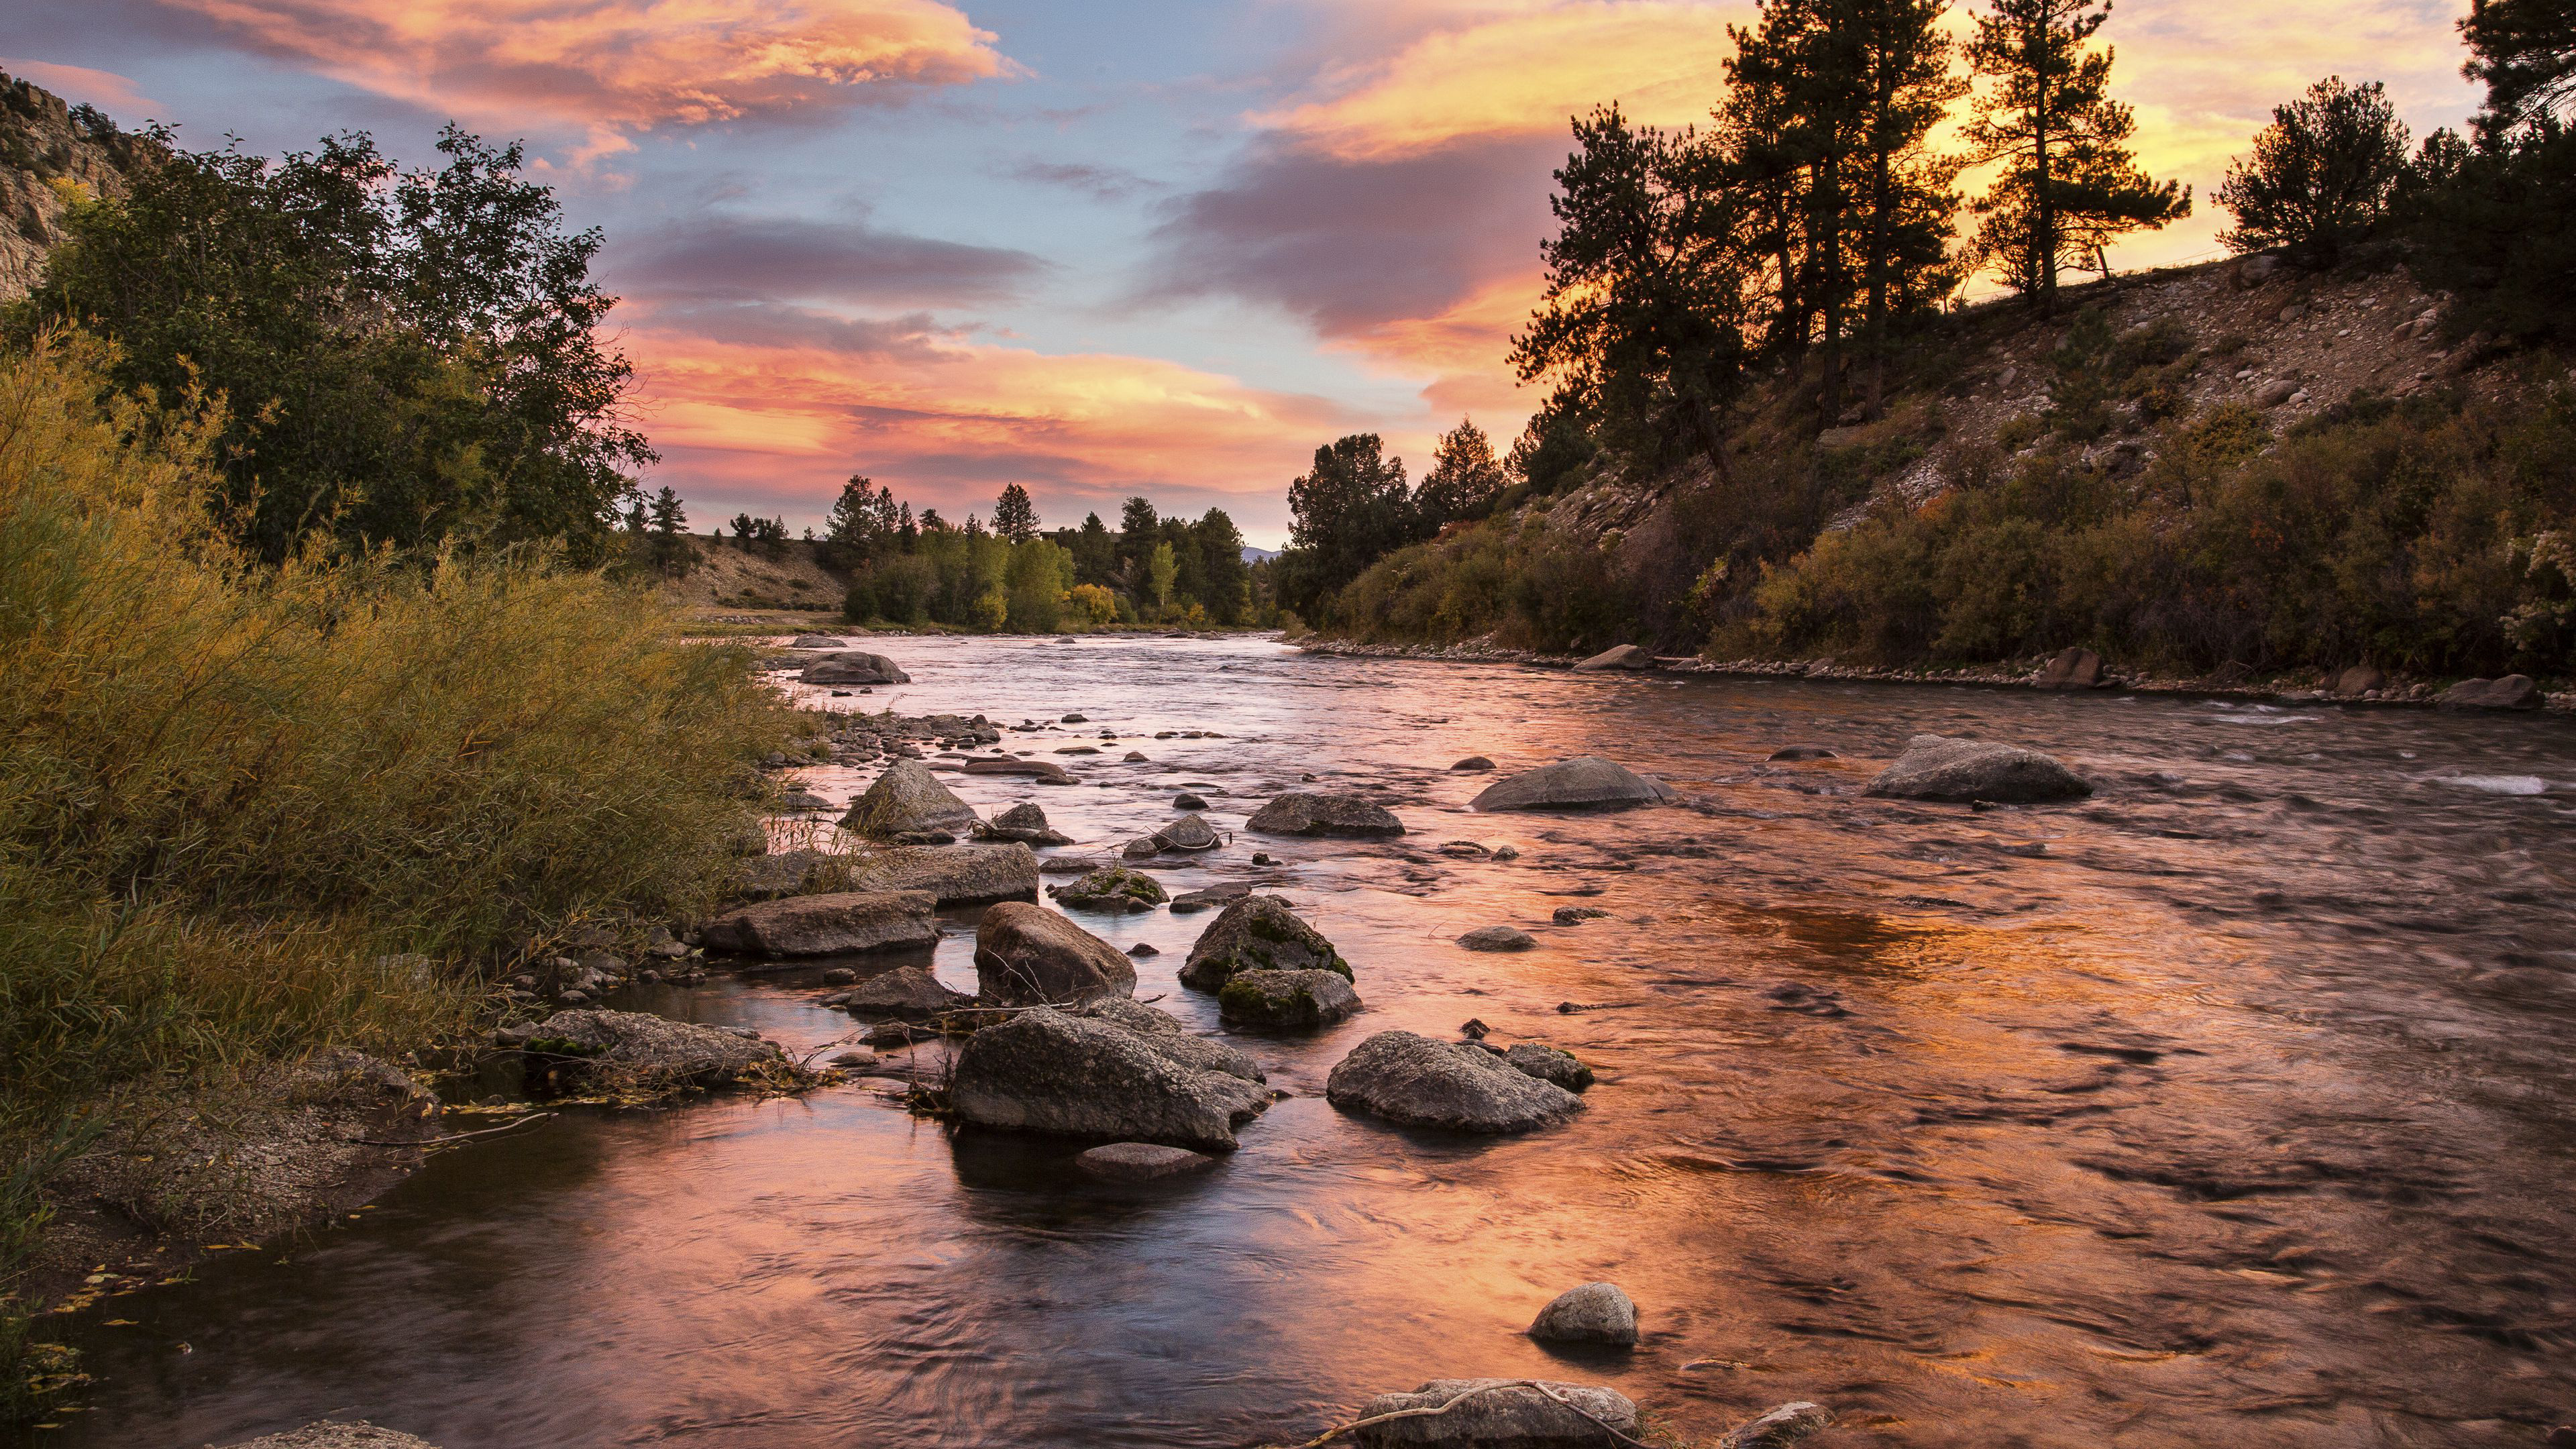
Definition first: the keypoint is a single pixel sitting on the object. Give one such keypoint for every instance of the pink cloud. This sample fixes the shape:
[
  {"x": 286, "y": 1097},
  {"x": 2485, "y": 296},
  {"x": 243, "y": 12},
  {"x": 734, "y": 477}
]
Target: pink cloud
[{"x": 104, "y": 89}]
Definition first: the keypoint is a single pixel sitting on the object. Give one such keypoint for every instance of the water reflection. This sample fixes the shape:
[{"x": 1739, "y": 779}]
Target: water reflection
[{"x": 2230, "y": 1106}]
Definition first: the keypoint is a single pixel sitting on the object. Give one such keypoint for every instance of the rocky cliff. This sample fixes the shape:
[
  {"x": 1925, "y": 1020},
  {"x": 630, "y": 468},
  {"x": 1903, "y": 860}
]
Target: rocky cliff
[{"x": 50, "y": 151}]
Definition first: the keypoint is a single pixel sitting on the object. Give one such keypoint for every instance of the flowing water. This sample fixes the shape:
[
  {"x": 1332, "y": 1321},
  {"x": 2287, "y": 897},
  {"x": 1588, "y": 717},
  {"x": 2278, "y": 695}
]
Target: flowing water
[{"x": 2231, "y": 1106}]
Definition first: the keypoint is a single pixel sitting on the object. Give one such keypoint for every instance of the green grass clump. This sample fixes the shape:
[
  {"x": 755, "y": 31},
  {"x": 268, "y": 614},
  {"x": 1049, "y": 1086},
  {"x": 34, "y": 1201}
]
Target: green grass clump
[{"x": 233, "y": 794}]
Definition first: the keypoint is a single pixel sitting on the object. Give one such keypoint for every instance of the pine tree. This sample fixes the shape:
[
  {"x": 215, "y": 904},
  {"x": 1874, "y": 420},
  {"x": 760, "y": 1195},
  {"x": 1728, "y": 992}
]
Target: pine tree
[
  {"x": 1014, "y": 516},
  {"x": 2324, "y": 175},
  {"x": 2069, "y": 183},
  {"x": 1464, "y": 477}
]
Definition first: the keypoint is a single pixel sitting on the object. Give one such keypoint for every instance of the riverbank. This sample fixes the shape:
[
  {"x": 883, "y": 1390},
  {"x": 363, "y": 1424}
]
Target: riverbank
[{"x": 2395, "y": 692}]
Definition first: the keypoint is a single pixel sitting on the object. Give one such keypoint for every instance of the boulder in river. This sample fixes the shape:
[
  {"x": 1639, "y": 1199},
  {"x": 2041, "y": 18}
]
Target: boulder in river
[
  {"x": 2071, "y": 669},
  {"x": 1802, "y": 752},
  {"x": 1472, "y": 765},
  {"x": 1112, "y": 888},
  {"x": 1286, "y": 1000},
  {"x": 1592, "y": 1313},
  {"x": 1027, "y": 954},
  {"x": 854, "y": 666},
  {"x": 1210, "y": 897},
  {"x": 1502, "y": 1414},
  {"x": 1258, "y": 933},
  {"x": 1937, "y": 767},
  {"x": 907, "y": 800},
  {"x": 955, "y": 875},
  {"x": 1779, "y": 1428},
  {"x": 907, "y": 993},
  {"x": 2355, "y": 682},
  {"x": 788, "y": 873},
  {"x": 1420, "y": 1082},
  {"x": 1130, "y": 1013},
  {"x": 1308, "y": 812},
  {"x": 826, "y": 925},
  {"x": 1620, "y": 656},
  {"x": 1549, "y": 1064},
  {"x": 1025, "y": 823},
  {"x": 1579, "y": 783},
  {"x": 813, "y": 641},
  {"x": 2514, "y": 691},
  {"x": 1140, "y": 1161},
  {"x": 640, "y": 1048},
  {"x": 1044, "y": 1071},
  {"x": 1187, "y": 801},
  {"x": 1497, "y": 938}
]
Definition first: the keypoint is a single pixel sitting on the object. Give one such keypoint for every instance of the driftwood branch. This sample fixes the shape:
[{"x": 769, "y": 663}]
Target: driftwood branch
[{"x": 455, "y": 1136}]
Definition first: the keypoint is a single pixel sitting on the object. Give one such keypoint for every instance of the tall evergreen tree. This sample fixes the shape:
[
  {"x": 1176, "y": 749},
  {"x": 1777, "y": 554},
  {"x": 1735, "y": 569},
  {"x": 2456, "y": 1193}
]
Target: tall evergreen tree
[
  {"x": 1014, "y": 516},
  {"x": 2069, "y": 184},
  {"x": 1463, "y": 479}
]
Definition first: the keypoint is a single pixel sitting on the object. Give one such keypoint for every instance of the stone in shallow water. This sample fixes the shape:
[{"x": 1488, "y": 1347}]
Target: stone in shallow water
[
  {"x": 826, "y": 925},
  {"x": 1497, "y": 938},
  {"x": 1258, "y": 933},
  {"x": 1025, "y": 954},
  {"x": 1502, "y": 1414},
  {"x": 1592, "y": 1313},
  {"x": 1286, "y": 1000},
  {"x": 1549, "y": 1064},
  {"x": 907, "y": 800},
  {"x": 1044, "y": 1071},
  {"x": 1473, "y": 764},
  {"x": 1305, "y": 812},
  {"x": 1141, "y": 1161},
  {"x": 855, "y": 666},
  {"x": 1413, "y": 1080},
  {"x": 1937, "y": 767},
  {"x": 1579, "y": 783},
  {"x": 954, "y": 874}
]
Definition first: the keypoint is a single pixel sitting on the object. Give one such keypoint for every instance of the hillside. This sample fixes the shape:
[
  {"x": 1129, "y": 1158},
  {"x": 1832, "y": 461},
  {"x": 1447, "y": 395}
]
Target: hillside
[
  {"x": 2087, "y": 451},
  {"x": 46, "y": 144}
]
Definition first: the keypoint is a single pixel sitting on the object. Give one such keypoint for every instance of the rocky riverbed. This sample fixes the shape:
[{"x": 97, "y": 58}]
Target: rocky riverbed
[{"x": 2221, "y": 1099}]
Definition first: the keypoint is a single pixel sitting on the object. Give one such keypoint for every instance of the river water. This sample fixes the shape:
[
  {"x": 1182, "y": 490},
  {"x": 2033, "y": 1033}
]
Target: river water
[{"x": 2231, "y": 1106}]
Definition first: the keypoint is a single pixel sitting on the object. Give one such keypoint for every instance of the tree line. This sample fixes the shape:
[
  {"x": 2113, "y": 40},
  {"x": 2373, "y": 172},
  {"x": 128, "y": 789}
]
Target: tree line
[{"x": 1802, "y": 249}]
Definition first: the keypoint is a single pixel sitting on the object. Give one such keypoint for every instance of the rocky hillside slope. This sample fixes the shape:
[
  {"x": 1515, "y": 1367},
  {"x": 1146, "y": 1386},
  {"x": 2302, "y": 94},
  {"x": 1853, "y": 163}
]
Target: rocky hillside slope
[{"x": 48, "y": 146}]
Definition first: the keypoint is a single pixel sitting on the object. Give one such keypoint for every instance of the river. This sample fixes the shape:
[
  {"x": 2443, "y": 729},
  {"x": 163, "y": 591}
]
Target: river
[{"x": 2231, "y": 1106}]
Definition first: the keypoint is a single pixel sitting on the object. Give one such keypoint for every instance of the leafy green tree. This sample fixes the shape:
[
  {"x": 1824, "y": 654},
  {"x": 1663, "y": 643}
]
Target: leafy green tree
[
  {"x": 1162, "y": 567},
  {"x": 2069, "y": 184},
  {"x": 1464, "y": 478},
  {"x": 2324, "y": 175},
  {"x": 1014, "y": 516},
  {"x": 1353, "y": 506},
  {"x": 407, "y": 358}
]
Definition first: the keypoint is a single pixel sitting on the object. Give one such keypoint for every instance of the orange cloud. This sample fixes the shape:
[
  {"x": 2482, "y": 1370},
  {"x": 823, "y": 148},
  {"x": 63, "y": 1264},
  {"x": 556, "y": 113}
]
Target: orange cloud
[
  {"x": 618, "y": 66},
  {"x": 1521, "y": 70},
  {"x": 946, "y": 421},
  {"x": 103, "y": 88}
]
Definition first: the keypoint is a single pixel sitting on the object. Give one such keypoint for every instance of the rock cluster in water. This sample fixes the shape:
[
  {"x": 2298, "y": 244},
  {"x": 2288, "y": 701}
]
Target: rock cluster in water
[{"x": 1937, "y": 767}]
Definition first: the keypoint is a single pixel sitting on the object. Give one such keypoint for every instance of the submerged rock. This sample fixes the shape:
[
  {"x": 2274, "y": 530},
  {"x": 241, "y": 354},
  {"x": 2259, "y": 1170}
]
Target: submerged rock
[
  {"x": 1620, "y": 656},
  {"x": 853, "y": 666},
  {"x": 1045, "y": 772},
  {"x": 1593, "y": 1313},
  {"x": 1305, "y": 812},
  {"x": 826, "y": 925},
  {"x": 1140, "y": 1161},
  {"x": 335, "y": 1434},
  {"x": 1779, "y": 1428},
  {"x": 907, "y": 800},
  {"x": 1210, "y": 897},
  {"x": 1419, "y": 1082},
  {"x": 1586, "y": 780},
  {"x": 953, "y": 874},
  {"x": 1803, "y": 752},
  {"x": 1027, "y": 954},
  {"x": 2514, "y": 691},
  {"x": 1937, "y": 767},
  {"x": 1025, "y": 823},
  {"x": 813, "y": 641},
  {"x": 1473, "y": 764},
  {"x": 1497, "y": 938},
  {"x": 1258, "y": 933},
  {"x": 1502, "y": 1414},
  {"x": 1112, "y": 888},
  {"x": 1044, "y": 1071},
  {"x": 1286, "y": 1000},
  {"x": 1549, "y": 1064}
]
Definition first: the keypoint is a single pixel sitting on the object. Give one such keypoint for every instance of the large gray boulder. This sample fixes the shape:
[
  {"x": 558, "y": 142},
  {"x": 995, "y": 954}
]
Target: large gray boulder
[
  {"x": 1114, "y": 889},
  {"x": 1025, "y": 823},
  {"x": 1620, "y": 656},
  {"x": 1424, "y": 1083},
  {"x": 1044, "y": 1071},
  {"x": 826, "y": 925},
  {"x": 1305, "y": 812},
  {"x": 1027, "y": 955},
  {"x": 1580, "y": 783},
  {"x": 636, "y": 1046},
  {"x": 853, "y": 666},
  {"x": 1258, "y": 933},
  {"x": 1503, "y": 1414},
  {"x": 2071, "y": 669},
  {"x": 1592, "y": 1313},
  {"x": 954, "y": 874},
  {"x": 1937, "y": 767},
  {"x": 907, "y": 800},
  {"x": 788, "y": 873},
  {"x": 1286, "y": 1000},
  {"x": 2514, "y": 691}
]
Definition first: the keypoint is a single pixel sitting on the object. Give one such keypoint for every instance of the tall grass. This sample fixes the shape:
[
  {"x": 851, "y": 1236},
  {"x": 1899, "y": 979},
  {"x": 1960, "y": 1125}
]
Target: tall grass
[{"x": 231, "y": 795}]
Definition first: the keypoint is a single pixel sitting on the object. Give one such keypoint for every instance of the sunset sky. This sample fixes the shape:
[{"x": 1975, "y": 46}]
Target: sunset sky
[{"x": 1097, "y": 248}]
